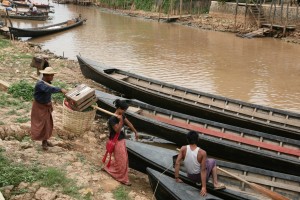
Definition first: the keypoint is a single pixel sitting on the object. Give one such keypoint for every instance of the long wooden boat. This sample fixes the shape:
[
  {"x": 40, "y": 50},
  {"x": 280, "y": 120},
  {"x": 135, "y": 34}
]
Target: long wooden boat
[
  {"x": 45, "y": 30},
  {"x": 208, "y": 106},
  {"x": 27, "y": 16},
  {"x": 164, "y": 187},
  {"x": 24, "y": 4},
  {"x": 220, "y": 140},
  {"x": 143, "y": 155}
]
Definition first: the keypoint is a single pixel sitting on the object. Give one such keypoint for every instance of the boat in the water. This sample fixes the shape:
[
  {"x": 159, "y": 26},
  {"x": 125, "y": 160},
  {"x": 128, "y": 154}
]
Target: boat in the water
[
  {"x": 27, "y": 16},
  {"x": 143, "y": 155},
  {"x": 46, "y": 30},
  {"x": 165, "y": 187},
  {"x": 224, "y": 141},
  {"x": 200, "y": 104}
]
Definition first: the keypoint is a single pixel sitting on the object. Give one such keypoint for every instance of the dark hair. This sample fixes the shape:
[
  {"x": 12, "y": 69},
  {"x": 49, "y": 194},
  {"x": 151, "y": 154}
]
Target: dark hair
[
  {"x": 121, "y": 104},
  {"x": 192, "y": 137}
]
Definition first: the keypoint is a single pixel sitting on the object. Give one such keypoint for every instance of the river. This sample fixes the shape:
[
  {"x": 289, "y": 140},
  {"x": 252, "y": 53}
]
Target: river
[{"x": 263, "y": 71}]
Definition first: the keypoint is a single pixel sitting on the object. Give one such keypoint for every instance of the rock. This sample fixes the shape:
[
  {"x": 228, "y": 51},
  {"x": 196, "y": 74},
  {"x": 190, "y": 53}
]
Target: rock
[
  {"x": 27, "y": 196},
  {"x": 23, "y": 185},
  {"x": 102, "y": 136},
  {"x": 63, "y": 197},
  {"x": 107, "y": 196},
  {"x": 1, "y": 196},
  {"x": 26, "y": 145},
  {"x": 132, "y": 194},
  {"x": 45, "y": 194}
]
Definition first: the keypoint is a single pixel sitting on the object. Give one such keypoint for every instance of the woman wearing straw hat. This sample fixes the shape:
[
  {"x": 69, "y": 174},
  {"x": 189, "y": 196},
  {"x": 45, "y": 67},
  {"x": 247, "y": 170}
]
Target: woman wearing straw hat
[{"x": 41, "y": 113}]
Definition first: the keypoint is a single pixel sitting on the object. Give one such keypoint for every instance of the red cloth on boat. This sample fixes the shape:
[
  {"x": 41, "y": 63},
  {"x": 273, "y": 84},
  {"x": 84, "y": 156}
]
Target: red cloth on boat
[
  {"x": 41, "y": 121},
  {"x": 119, "y": 164}
]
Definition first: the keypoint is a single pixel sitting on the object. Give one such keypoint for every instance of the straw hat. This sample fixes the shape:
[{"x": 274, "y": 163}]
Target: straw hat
[{"x": 48, "y": 70}]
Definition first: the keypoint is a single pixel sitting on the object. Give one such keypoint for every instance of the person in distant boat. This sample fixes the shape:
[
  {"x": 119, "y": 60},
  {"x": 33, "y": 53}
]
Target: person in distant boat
[
  {"x": 34, "y": 9},
  {"x": 119, "y": 166},
  {"x": 41, "y": 113},
  {"x": 30, "y": 6},
  {"x": 199, "y": 168}
]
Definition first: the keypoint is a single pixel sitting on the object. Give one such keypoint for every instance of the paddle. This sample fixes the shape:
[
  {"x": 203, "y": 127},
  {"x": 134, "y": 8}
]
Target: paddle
[{"x": 265, "y": 191}]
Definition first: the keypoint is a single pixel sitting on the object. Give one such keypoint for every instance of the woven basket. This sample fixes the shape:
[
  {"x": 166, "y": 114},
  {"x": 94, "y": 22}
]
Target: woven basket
[{"x": 77, "y": 122}]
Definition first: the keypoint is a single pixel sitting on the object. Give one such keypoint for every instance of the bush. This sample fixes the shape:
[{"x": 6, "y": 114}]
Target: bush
[{"x": 22, "y": 89}]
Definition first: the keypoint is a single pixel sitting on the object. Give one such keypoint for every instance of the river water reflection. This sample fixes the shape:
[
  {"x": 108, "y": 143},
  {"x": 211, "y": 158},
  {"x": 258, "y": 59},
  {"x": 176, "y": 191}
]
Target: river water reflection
[{"x": 261, "y": 71}]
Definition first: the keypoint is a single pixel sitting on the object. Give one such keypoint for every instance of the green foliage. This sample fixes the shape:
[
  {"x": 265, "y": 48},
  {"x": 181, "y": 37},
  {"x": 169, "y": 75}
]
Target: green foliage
[
  {"x": 22, "y": 89},
  {"x": 4, "y": 43},
  {"x": 59, "y": 97},
  {"x": 21, "y": 56},
  {"x": 5, "y": 101},
  {"x": 13, "y": 174},
  {"x": 22, "y": 119},
  {"x": 2, "y": 123},
  {"x": 144, "y": 4},
  {"x": 121, "y": 194}
]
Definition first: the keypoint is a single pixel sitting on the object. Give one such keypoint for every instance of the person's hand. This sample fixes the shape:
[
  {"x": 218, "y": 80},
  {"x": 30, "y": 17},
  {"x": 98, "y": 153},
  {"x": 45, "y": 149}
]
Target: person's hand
[
  {"x": 203, "y": 191},
  {"x": 64, "y": 91},
  {"x": 136, "y": 136},
  {"x": 178, "y": 180}
]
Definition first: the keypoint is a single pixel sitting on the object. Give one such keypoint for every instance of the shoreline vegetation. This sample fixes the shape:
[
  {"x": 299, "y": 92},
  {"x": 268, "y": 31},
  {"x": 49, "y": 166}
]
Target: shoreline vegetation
[{"x": 71, "y": 169}]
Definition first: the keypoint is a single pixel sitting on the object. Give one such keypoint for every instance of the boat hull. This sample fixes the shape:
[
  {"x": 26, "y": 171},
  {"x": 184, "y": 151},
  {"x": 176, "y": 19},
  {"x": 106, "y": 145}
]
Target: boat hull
[
  {"x": 41, "y": 31},
  {"x": 101, "y": 74},
  {"x": 233, "y": 151}
]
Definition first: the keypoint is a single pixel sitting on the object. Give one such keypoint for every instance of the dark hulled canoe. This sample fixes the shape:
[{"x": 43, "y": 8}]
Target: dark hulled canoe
[
  {"x": 231, "y": 143},
  {"x": 40, "y": 17},
  {"x": 212, "y": 107},
  {"x": 166, "y": 188},
  {"x": 45, "y": 30},
  {"x": 142, "y": 156}
]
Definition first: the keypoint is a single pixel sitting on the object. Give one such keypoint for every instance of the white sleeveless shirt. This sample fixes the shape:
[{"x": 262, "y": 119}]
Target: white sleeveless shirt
[{"x": 190, "y": 161}]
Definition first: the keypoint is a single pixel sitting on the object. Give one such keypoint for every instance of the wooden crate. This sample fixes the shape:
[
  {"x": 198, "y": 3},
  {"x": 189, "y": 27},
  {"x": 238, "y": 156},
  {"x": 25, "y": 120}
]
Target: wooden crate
[{"x": 81, "y": 97}]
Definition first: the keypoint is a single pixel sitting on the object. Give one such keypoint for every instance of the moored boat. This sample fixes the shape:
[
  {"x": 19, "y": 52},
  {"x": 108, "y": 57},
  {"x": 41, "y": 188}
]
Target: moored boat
[
  {"x": 208, "y": 106},
  {"x": 162, "y": 160},
  {"x": 46, "y": 30},
  {"x": 231, "y": 143},
  {"x": 27, "y": 16},
  {"x": 164, "y": 187}
]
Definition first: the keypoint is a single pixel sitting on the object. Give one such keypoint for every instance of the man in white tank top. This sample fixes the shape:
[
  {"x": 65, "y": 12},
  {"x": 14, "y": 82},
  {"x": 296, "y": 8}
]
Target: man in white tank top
[{"x": 198, "y": 167}]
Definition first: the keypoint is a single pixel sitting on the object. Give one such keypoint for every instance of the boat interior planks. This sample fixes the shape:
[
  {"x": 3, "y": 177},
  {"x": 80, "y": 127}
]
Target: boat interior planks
[
  {"x": 164, "y": 187},
  {"x": 162, "y": 160},
  {"x": 196, "y": 103},
  {"x": 232, "y": 143}
]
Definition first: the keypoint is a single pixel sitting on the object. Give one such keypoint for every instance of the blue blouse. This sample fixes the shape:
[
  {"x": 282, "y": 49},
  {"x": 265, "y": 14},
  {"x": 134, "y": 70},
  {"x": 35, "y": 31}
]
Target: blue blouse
[{"x": 43, "y": 92}]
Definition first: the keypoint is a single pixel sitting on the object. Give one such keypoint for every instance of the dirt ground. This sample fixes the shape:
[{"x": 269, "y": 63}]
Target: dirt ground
[{"x": 79, "y": 155}]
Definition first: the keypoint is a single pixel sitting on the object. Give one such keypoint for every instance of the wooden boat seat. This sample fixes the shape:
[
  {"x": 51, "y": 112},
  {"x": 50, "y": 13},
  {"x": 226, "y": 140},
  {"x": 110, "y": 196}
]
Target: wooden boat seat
[
  {"x": 134, "y": 109},
  {"x": 119, "y": 76}
]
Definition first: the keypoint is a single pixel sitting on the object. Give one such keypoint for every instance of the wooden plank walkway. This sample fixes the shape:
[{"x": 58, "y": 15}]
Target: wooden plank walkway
[
  {"x": 289, "y": 27},
  {"x": 258, "y": 33}
]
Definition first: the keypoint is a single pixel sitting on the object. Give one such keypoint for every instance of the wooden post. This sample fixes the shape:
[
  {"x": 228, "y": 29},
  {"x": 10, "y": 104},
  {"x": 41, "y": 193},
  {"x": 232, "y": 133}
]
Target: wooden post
[
  {"x": 259, "y": 13},
  {"x": 246, "y": 12},
  {"x": 191, "y": 3},
  {"x": 235, "y": 14},
  {"x": 281, "y": 9},
  {"x": 180, "y": 9},
  {"x": 287, "y": 18},
  {"x": 272, "y": 22}
]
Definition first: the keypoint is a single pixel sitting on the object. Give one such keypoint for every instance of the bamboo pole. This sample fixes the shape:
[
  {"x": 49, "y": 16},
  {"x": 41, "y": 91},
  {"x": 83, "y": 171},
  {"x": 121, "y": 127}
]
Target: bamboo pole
[
  {"x": 287, "y": 18},
  {"x": 191, "y": 3},
  {"x": 265, "y": 191},
  {"x": 235, "y": 14}
]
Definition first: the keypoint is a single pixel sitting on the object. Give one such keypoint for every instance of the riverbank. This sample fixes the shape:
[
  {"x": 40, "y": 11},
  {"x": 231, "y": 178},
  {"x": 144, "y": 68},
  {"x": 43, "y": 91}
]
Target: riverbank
[
  {"x": 78, "y": 156},
  {"x": 214, "y": 22}
]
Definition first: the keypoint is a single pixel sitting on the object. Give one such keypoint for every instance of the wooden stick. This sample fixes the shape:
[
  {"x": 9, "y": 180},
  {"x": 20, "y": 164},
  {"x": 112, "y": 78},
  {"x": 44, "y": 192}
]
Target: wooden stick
[
  {"x": 103, "y": 110},
  {"x": 265, "y": 191},
  {"x": 36, "y": 78}
]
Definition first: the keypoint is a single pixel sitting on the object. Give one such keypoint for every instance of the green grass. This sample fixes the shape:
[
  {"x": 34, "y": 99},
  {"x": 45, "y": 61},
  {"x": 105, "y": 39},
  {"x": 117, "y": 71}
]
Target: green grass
[
  {"x": 2, "y": 123},
  {"x": 59, "y": 97},
  {"x": 121, "y": 193},
  {"x": 6, "y": 100},
  {"x": 22, "y": 56},
  {"x": 22, "y": 89},
  {"x": 4, "y": 43},
  {"x": 11, "y": 112},
  {"x": 13, "y": 174},
  {"x": 22, "y": 119}
]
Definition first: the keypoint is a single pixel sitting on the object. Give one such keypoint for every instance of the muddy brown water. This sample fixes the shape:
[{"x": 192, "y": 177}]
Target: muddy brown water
[{"x": 261, "y": 71}]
